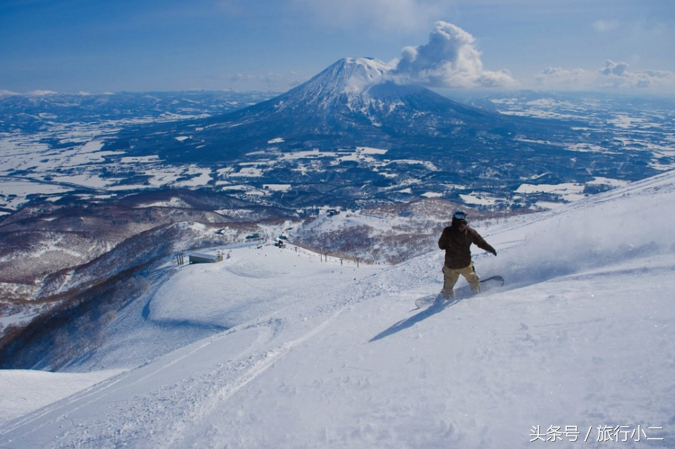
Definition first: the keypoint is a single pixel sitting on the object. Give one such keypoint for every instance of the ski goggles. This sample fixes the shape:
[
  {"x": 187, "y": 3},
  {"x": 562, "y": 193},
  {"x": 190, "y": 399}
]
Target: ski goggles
[{"x": 459, "y": 215}]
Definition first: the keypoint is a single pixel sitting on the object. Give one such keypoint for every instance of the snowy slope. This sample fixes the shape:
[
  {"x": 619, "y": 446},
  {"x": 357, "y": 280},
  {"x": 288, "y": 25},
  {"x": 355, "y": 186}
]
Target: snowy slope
[
  {"x": 24, "y": 391},
  {"x": 350, "y": 76},
  {"x": 319, "y": 354}
]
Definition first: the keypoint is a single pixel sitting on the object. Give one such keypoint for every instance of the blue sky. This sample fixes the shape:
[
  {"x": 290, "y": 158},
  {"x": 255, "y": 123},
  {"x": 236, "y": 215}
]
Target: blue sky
[{"x": 139, "y": 45}]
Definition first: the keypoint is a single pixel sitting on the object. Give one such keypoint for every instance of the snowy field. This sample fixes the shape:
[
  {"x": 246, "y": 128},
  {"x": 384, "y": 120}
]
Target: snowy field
[{"x": 576, "y": 350}]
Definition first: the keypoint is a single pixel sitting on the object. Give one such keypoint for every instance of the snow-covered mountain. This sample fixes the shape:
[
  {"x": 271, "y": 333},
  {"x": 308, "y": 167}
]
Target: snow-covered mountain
[
  {"x": 348, "y": 77},
  {"x": 362, "y": 87},
  {"x": 352, "y": 102},
  {"x": 71, "y": 145},
  {"x": 575, "y": 348},
  {"x": 426, "y": 144}
]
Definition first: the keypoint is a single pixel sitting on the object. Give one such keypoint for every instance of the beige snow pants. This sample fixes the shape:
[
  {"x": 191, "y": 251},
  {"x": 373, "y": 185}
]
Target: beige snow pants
[{"x": 450, "y": 277}]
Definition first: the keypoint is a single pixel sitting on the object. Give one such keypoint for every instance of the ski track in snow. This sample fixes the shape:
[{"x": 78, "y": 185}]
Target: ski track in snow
[{"x": 580, "y": 335}]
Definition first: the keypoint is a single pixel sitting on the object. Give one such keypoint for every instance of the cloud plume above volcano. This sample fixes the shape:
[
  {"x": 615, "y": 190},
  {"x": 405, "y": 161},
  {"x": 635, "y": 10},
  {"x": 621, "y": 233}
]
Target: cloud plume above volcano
[{"x": 449, "y": 60}]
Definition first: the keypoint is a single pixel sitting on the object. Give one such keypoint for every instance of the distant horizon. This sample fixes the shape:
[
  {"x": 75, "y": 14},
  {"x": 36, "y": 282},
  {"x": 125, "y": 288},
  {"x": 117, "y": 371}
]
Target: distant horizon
[{"x": 444, "y": 92}]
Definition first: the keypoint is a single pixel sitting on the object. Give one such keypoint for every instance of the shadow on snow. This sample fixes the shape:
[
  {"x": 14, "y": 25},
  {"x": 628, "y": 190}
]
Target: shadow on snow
[{"x": 409, "y": 322}]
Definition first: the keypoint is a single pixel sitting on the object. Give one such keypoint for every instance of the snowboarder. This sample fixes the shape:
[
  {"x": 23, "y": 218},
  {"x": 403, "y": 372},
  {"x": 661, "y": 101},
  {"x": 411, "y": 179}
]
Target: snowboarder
[{"x": 456, "y": 240}]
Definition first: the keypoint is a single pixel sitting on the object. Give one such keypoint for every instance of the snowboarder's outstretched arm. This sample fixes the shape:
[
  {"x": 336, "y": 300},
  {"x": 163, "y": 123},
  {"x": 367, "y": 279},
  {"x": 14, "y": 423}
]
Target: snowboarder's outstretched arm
[{"x": 481, "y": 243}]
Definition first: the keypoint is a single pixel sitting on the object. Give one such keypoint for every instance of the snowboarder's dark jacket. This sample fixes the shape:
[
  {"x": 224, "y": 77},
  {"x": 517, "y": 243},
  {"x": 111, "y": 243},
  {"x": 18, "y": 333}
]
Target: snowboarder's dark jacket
[{"x": 456, "y": 240}]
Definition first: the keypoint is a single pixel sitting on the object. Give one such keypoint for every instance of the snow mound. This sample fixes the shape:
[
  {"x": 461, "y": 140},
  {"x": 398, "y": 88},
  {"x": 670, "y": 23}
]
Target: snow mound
[
  {"x": 254, "y": 282},
  {"x": 623, "y": 224}
]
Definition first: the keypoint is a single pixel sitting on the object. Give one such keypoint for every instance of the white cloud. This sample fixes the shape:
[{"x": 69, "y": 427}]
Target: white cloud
[
  {"x": 605, "y": 25},
  {"x": 614, "y": 69},
  {"x": 387, "y": 15},
  {"x": 559, "y": 78},
  {"x": 449, "y": 59},
  {"x": 614, "y": 75}
]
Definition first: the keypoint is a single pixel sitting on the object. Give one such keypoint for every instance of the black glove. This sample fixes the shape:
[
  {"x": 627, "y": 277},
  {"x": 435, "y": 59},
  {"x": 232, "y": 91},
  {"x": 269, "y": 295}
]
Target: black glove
[{"x": 494, "y": 251}]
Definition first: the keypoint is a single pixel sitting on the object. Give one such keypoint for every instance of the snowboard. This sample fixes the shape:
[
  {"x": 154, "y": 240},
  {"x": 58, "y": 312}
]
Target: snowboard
[{"x": 461, "y": 293}]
